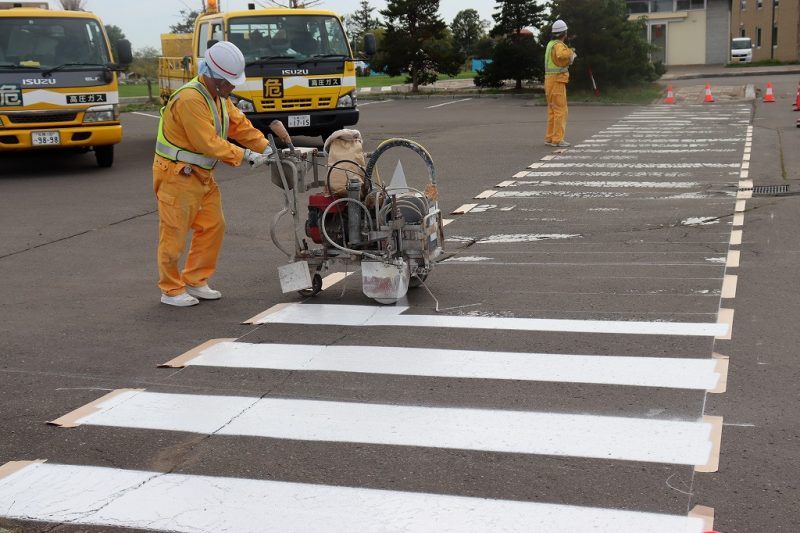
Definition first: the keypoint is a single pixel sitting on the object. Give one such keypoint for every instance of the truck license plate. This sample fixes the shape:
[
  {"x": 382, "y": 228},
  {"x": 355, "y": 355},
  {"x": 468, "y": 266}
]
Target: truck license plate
[
  {"x": 40, "y": 138},
  {"x": 299, "y": 121}
]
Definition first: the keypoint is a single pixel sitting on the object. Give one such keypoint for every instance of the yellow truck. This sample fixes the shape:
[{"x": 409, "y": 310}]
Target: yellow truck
[
  {"x": 300, "y": 68},
  {"x": 58, "y": 81}
]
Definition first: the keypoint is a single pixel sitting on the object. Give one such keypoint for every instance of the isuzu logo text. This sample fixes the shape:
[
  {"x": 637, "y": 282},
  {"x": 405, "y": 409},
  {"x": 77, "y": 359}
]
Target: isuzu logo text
[
  {"x": 38, "y": 81},
  {"x": 294, "y": 71}
]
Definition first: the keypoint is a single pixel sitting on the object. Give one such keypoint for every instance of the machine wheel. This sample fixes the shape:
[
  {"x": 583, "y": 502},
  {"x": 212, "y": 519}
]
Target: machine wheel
[
  {"x": 104, "y": 155},
  {"x": 417, "y": 280},
  {"x": 316, "y": 286}
]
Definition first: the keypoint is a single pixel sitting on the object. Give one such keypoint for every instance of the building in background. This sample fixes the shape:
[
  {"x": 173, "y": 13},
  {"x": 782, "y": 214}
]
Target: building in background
[
  {"x": 773, "y": 26},
  {"x": 687, "y": 32}
]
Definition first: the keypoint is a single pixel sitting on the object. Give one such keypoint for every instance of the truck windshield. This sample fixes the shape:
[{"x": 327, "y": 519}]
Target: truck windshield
[
  {"x": 289, "y": 37},
  {"x": 741, "y": 45},
  {"x": 47, "y": 42}
]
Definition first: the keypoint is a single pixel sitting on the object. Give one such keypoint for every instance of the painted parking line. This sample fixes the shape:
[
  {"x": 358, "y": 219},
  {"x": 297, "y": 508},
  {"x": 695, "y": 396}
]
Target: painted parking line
[
  {"x": 449, "y": 103},
  {"x": 102, "y": 496},
  {"x": 685, "y": 442},
  {"x": 667, "y": 372},
  {"x": 367, "y": 315}
]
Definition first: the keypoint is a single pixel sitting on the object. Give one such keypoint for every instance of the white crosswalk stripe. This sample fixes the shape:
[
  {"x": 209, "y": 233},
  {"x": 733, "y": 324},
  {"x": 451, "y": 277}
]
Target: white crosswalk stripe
[{"x": 708, "y": 143}]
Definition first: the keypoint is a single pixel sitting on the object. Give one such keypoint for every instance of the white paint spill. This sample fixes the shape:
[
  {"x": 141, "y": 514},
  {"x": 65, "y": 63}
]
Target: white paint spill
[
  {"x": 536, "y": 433},
  {"x": 116, "y": 498},
  {"x": 526, "y": 237},
  {"x": 669, "y": 372},
  {"x": 699, "y": 221},
  {"x": 366, "y": 315},
  {"x": 466, "y": 259}
]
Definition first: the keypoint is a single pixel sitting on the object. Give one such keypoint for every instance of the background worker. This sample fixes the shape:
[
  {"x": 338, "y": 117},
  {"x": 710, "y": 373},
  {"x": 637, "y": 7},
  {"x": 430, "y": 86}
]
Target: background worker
[
  {"x": 192, "y": 138},
  {"x": 557, "y": 59}
]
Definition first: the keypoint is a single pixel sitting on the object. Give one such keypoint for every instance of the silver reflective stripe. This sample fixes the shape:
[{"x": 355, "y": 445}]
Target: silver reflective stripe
[
  {"x": 557, "y": 70},
  {"x": 175, "y": 154}
]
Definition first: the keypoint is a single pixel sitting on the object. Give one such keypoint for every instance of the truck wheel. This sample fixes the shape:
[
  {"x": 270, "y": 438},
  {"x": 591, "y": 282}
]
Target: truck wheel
[{"x": 104, "y": 155}]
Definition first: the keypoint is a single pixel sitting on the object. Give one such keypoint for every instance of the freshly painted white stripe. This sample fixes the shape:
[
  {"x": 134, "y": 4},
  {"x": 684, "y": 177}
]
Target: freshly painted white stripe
[
  {"x": 464, "y": 209},
  {"x": 525, "y": 237},
  {"x": 508, "y": 183},
  {"x": 537, "y": 433},
  {"x": 612, "y": 184},
  {"x": 699, "y": 221},
  {"x": 485, "y": 194},
  {"x": 733, "y": 259},
  {"x": 729, "y": 286},
  {"x": 112, "y": 497},
  {"x": 366, "y": 315},
  {"x": 466, "y": 259},
  {"x": 666, "y": 372},
  {"x": 641, "y": 165},
  {"x": 144, "y": 114},
  {"x": 448, "y": 103}
]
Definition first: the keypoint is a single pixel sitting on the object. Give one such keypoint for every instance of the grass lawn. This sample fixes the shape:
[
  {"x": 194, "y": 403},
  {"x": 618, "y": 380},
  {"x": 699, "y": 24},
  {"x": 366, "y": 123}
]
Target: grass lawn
[{"x": 137, "y": 90}]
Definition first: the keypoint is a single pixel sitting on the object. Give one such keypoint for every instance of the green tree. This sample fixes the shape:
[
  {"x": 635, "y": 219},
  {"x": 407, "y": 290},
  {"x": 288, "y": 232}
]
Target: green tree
[
  {"x": 468, "y": 29},
  {"x": 606, "y": 42},
  {"x": 145, "y": 63},
  {"x": 359, "y": 23},
  {"x": 517, "y": 55},
  {"x": 188, "y": 16},
  {"x": 115, "y": 35},
  {"x": 411, "y": 28}
]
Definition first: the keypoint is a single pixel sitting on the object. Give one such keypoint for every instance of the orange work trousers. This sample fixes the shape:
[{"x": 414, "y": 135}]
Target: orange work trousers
[
  {"x": 556, "y": 94},
  {"x": 186, "y": 203}
]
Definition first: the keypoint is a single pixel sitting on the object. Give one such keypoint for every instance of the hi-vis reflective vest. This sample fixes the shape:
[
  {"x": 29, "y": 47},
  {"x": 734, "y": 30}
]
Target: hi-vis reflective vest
[
  {"x": 549, "y": 65},
  {"x": 166, "y": 149}
]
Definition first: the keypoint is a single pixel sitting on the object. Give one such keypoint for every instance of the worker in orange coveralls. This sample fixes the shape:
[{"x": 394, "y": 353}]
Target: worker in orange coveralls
[
  {"x": 192, "y": 138},
  {"x": 557, "y": 59}
]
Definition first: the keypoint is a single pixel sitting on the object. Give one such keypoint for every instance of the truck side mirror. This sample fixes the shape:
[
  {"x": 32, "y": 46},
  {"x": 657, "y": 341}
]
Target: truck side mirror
[
  {"x": 370, "y": 46},
  {"x": 124, "y": 53}
]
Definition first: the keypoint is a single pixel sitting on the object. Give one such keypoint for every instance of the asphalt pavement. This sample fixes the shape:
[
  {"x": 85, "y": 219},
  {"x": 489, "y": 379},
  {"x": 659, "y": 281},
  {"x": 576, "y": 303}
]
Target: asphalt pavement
[{"x": 589, "y": 291}]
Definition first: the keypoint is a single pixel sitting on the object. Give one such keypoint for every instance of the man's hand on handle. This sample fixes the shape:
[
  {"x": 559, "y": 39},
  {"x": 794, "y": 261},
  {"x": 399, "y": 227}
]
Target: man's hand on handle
[{"x": 255, "y": 159}]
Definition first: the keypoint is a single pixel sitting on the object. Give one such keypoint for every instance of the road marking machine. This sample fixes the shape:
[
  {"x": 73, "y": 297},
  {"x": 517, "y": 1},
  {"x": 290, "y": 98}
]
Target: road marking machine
[{"x": 393, "y": 232}]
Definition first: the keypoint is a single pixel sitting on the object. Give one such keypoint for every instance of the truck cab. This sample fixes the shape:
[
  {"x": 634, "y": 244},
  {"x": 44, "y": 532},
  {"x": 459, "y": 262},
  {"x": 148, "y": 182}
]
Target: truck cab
[
  {"x": 58, "y": 82},
  {"x": 299, "y": 67},
  {"x": 741, "y": 50}
]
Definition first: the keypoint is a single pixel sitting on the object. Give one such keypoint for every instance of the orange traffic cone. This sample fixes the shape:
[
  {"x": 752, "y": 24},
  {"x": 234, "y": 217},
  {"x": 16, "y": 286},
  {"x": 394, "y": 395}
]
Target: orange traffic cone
[
  {"x": 769, "y": 97},
  {"x": 670, "y": 99},
  {"x": 797, "y": 98},
  {"x": 708, "y": 97}
]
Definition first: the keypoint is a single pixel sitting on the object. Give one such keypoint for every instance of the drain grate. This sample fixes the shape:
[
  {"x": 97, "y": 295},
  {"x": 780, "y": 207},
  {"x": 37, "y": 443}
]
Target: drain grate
[{"x": 768, "y": 190}]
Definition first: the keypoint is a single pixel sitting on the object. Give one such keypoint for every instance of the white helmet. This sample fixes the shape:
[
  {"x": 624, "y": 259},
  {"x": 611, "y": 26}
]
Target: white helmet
[
  {"x": 559, "y": 26},
  {"x": 226, "y": 59}
]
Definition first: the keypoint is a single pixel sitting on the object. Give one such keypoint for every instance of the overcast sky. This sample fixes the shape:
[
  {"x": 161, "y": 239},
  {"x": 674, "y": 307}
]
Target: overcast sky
[{"x": 143, "y": 21}]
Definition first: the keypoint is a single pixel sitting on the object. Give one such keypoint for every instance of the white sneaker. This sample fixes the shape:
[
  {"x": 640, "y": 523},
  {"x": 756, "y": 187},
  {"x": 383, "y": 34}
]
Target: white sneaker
[
  {"x": 179, "y": 300},
  {"x": 204, "y": 292}
]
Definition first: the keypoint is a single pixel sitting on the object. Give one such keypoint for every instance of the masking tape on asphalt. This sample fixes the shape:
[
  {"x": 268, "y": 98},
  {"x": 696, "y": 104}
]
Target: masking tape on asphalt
[
  {"x": 745, "y": 165},
  {"x": 704, "y": 513},
  {"x": 745, "y": 183},
  {"x": 747, "y": 148},
  {"x": 15, "y": 466},
  {"x": 725, "y": 316},
  {"x": 446, "y": 221},
  {"x": 740, "y": 204},
  {"x": 736, "y": 237},
  {"x": 716, "y": 440},
  {"x": 181, "y": 360},
  {"x": 733, "y": 259},
  {"x": 332, "y": 279},
  {"x": 744, "y": 195},
  {"x": 274, "y": 309},
  {"x": 729, "y": 286},
  {"x": 485, "y": 194},
  {"x": 70, "y": 420},
  {"x": 721, "y": 368},
  {"x": 503, "y": 184},
  {"x": 746, "y": 156},
  {"x": 464, "y": 209},
  {"x": 738, "y": 219}
]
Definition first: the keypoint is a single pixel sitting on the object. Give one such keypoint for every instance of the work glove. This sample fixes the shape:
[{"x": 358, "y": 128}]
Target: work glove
[
  {"x": 268, "y": 151},
  {"x": 254, "y": 158}
]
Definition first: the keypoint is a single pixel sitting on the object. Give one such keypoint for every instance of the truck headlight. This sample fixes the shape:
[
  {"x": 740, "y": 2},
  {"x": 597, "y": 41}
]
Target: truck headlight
[
  {"x": 101, "y": 113},
  {"x": 348, "y": 100},
  {"x": 244, "y": 105}
]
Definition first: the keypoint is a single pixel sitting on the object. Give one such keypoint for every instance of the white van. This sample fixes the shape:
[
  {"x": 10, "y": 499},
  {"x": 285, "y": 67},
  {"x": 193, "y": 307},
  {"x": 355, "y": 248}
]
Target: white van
[{"x": 741, "y": 50}]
